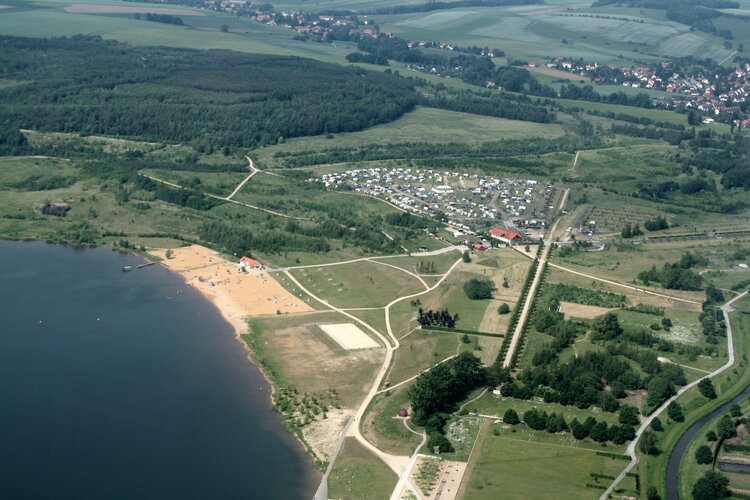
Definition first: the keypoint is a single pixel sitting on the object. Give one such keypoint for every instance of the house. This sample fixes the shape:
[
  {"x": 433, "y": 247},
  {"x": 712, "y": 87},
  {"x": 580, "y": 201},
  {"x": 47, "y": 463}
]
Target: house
[
  {"x": 506, "y": 235},
  {"x": 249, "y": 263}
]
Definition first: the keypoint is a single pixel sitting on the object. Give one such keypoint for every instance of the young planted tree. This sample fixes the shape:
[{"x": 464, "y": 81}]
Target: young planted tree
[
  {"x": 706, "y": 387},
  {"x": 704, "y": 455},
  {"x": 674, "y": 412},
  {"x": 511, "y": 417}
]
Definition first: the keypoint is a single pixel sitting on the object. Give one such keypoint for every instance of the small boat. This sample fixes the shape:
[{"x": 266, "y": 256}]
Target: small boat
[{"x": 127, "y": 268}]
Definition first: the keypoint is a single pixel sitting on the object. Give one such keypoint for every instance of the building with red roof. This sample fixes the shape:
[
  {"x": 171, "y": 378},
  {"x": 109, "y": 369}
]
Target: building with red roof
[
  {"x": 506, "y": 235},
  {"x": 247, "y": 262}
]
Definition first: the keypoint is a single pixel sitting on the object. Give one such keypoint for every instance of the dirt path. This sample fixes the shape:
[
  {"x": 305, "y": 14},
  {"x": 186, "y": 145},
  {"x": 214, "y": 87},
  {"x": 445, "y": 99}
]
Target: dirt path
[
  {"x": 404, "y": 270},
  {"x": 217, "y": 197},
  {"x": 391, "y": 387},
  {"x": 630, "y": 287},
  {"x": 397, "y": 463},
  {"x": 253, "y": 171}
]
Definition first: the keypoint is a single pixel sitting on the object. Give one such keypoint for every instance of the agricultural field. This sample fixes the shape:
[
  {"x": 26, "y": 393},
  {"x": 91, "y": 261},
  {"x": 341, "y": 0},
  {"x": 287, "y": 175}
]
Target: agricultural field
[{"x": 561, "y": 28}]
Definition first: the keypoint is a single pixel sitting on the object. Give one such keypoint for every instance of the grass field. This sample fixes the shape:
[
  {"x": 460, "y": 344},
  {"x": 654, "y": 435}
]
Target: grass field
[
  {"x": 421, "y": 125},
  {"x": 419, "y": 351},
  {"x": 510, "y": 466},
  {"x": 359, "y": 474},
  {"x": 359, "y": 284},
  {"x": 419, "y": 264},
  {"x": 462, "y": 432}
]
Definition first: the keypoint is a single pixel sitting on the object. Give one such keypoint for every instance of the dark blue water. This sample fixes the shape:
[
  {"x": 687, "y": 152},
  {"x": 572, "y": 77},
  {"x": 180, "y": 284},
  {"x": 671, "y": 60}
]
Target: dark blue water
[{"x": 129, "y": 385}]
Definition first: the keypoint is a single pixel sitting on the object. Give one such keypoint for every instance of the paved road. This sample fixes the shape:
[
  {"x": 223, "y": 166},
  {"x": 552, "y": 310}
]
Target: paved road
[{"x": 645, "y": 424}]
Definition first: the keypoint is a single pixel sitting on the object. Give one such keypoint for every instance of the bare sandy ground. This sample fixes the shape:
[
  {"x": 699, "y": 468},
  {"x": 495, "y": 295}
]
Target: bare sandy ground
[
  {"x": 571, "y": 309},
  {"x": 237, "y": 294},
  {"x": 349, "y": 336},
  {"x": 85, "y": 8},
  {"x": 323, "y": 435}
]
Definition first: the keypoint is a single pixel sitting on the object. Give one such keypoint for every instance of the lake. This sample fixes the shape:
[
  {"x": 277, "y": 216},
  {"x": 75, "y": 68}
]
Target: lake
[{"x": 129, "y": 385}]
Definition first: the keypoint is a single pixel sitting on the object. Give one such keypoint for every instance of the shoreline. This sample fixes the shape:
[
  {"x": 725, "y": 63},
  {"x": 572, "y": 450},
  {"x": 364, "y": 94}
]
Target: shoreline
[{"x": 238, "y": 319}]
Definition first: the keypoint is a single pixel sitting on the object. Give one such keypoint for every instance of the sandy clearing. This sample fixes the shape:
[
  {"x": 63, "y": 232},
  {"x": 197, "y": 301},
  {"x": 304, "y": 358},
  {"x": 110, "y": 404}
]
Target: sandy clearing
[
  {"x": 237, "y": 294},
  {"x": 349, "y": 336},
  {"x": 323, "y": 435},
  {"x": 84, "y": 8},
  {"x": 571, "y": 309}
]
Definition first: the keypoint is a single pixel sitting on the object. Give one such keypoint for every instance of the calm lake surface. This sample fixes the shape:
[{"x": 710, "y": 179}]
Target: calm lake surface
[{"x": 129, "y": 385}]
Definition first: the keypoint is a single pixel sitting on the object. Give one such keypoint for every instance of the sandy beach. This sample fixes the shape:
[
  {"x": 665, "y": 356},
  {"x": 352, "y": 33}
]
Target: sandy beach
[{"x": 236, "y": 293}]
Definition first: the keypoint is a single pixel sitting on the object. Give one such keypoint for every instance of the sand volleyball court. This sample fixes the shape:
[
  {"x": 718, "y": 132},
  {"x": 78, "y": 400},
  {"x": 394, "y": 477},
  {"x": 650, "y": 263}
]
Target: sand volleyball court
[{"x": 349, "y": 336}]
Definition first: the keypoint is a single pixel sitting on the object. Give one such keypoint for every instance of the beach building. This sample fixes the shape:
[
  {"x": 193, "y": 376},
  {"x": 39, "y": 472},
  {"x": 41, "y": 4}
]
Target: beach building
[{"x": 249, "y": 263}]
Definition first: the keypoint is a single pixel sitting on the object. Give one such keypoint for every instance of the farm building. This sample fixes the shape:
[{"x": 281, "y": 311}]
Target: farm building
[
  {"x": 506, "y": 235},
  {"x": 249, "y": 263}
]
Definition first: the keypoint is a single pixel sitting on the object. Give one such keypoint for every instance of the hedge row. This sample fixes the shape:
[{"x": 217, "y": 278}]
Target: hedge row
[
  {"x": 736, "y": 447},
  {"x": 458, "y": 330},
  {"x": 522, "y": 340},
  {"x": 517, "y": 310},
  {"x": 613, "y": 455}
]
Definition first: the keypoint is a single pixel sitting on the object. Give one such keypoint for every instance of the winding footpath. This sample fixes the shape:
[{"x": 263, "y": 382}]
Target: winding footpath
[
  {"x": 236, "y": 190},
  {"x": 401, "y": 465},
  {"x": 726, "y": 308}
]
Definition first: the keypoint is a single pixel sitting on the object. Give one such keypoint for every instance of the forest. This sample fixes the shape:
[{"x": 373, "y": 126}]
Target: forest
[{"x": 215, "y": 99}]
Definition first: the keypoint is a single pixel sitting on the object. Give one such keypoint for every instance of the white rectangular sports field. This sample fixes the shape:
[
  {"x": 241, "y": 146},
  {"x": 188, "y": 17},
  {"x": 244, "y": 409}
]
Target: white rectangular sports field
[{"x": 349, "y": 336}]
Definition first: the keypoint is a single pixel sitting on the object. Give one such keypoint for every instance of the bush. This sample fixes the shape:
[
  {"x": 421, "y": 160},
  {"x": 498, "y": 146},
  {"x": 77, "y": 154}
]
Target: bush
[
  {"x": 479, "y": 289},
  {"x": 503, "y": 309}
]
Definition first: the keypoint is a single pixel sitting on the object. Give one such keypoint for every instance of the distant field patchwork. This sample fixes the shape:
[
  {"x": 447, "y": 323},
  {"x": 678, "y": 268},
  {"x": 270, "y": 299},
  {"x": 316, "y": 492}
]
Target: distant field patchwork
[{"x": 87, "y": 8}]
